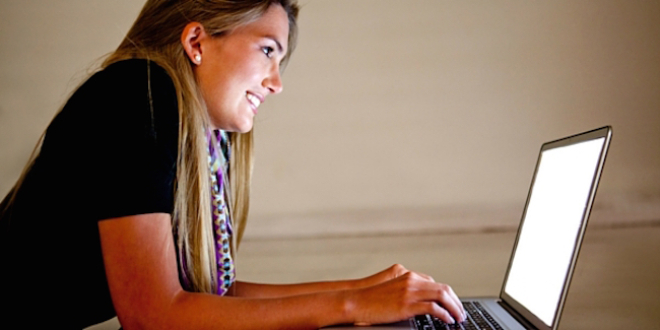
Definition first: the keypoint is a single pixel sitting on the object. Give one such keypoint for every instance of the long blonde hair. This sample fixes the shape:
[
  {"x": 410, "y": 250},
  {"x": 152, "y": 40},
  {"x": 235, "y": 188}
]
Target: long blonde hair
[{"x": 155, "y": 36}]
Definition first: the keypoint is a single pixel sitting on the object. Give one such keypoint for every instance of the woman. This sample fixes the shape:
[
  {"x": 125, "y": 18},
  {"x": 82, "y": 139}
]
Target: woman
[{"x": 138, "y": 196}]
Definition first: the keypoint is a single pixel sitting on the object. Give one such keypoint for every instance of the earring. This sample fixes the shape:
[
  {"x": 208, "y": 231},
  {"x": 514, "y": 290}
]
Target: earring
[{"x": 198, "y": 59}]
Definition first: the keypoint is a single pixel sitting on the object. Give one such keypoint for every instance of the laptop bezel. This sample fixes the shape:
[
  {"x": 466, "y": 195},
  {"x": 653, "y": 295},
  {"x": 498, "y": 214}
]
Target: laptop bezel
[{"x": 603, "y": 132}]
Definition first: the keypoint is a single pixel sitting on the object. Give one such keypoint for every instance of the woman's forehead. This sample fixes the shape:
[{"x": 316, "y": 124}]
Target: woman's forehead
[{"x": 273, "y": 24}]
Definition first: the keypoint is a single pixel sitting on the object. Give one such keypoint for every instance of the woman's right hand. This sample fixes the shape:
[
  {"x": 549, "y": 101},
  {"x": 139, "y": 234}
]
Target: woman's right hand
[{"x": 403, "y": 296}]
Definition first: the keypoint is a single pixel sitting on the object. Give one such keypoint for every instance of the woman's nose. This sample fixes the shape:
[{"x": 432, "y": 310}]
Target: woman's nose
[{"x": 274, "y": 81}]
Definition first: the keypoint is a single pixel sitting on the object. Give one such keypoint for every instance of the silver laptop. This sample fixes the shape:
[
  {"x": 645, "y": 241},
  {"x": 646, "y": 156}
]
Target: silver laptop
[{"x": 548, "y": 242}]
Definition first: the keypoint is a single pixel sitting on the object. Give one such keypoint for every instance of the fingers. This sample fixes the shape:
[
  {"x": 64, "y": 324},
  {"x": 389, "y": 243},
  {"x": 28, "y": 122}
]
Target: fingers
[
  {"x": 449, "y": 302},
  {"x": 443, "y": 307},
  {"x": 434, "y": 309},
  {"x": 437, "y": 299}
]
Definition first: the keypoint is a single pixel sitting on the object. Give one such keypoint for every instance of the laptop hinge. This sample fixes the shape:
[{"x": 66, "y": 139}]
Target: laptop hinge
[{"x": 516, "y": 315}]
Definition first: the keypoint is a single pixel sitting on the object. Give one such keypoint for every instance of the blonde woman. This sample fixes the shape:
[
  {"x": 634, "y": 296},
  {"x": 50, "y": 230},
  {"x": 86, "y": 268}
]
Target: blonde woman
[{"x": 137, "y": 196}]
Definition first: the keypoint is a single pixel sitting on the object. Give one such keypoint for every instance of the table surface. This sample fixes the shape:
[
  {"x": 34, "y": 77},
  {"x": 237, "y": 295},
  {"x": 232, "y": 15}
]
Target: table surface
[{"x": 616, "y": 283}]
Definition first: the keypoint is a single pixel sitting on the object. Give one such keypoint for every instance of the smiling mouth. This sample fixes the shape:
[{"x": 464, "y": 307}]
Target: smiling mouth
[{"x": 254, "y": 100}]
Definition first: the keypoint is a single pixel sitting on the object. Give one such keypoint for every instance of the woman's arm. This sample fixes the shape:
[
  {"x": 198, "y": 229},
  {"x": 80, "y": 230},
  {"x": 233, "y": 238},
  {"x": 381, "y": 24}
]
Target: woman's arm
[{"x": 140, "y": 262}]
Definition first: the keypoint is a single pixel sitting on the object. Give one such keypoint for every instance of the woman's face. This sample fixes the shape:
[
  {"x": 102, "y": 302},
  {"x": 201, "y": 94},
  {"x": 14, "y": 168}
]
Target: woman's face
[{"x": 238, "y": 70}]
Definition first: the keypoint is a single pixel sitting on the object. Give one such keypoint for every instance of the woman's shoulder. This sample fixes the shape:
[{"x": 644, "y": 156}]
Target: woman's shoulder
[
  {"x": 131, "y": 70},
  {"x": 135, "y": 89},
  {"x": 133, "y": 77},
  {"x": 128, "y": 105}
]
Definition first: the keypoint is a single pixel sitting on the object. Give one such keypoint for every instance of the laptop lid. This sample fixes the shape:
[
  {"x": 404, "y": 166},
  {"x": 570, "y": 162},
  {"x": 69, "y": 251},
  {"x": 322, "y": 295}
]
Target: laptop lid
[{"x": 553, "y": 224}]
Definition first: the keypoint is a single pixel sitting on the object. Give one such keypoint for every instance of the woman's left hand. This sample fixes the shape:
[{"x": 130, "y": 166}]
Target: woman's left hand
[{"x": 390, "y": 273}]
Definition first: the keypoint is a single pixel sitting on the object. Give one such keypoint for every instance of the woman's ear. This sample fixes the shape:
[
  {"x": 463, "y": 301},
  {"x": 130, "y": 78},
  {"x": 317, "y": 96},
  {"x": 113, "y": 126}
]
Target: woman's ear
[{"x": 191, "y": 37}]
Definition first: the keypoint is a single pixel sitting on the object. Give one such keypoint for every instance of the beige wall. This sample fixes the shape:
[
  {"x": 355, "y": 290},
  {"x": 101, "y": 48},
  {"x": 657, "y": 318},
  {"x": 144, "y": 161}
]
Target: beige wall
[{"x": 393, "y": 104}]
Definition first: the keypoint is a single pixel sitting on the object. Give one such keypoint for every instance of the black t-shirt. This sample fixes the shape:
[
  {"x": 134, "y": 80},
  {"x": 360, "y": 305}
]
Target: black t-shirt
[{"x": 110, "y": 152}]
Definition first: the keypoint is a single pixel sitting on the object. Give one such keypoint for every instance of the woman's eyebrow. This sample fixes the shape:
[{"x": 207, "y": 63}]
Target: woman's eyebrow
[{"x": 279, "y": 45}]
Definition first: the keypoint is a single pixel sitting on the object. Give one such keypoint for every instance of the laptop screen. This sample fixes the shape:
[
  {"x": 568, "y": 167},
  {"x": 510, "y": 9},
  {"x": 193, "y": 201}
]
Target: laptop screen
[{"x": 550, "y": 227}]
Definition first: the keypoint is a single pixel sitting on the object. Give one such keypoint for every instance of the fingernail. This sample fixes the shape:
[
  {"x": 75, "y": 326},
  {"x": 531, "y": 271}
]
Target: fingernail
[{"x": 452, "y": 320}]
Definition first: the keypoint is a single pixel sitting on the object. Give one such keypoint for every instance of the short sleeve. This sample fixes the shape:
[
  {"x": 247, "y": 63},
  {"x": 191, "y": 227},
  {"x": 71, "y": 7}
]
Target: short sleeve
[{"x": 115, "y": 143}]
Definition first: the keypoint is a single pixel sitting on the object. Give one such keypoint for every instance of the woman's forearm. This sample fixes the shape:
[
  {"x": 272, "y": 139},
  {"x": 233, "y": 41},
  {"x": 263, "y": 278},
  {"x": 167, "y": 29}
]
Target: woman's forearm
[
  {"x": 204, "y": 311},
  {"x": 259, "y": 290}
]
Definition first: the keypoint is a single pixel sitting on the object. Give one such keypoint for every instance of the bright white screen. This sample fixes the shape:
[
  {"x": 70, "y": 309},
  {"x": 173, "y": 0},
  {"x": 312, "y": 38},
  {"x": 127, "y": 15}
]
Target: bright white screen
[{"x": 549, "y": 232}]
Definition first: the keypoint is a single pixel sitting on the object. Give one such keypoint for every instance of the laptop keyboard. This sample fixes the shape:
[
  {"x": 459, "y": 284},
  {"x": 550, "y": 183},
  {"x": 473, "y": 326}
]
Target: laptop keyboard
[{"x": 478, "y": 319}]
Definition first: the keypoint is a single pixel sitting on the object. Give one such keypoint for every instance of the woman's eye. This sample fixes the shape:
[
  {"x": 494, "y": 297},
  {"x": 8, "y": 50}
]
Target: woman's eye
[{"x": 268, "y": 51}]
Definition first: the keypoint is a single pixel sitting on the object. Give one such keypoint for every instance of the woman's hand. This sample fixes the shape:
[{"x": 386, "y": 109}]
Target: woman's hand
[
  {"x": 403, "y": 295},
  {"x": 390, "y": 273}
]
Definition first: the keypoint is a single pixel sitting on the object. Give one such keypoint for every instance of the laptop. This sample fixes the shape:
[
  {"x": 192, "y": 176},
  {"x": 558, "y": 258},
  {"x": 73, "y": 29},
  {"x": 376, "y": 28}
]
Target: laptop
[{"x": 547, "y": 244}]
